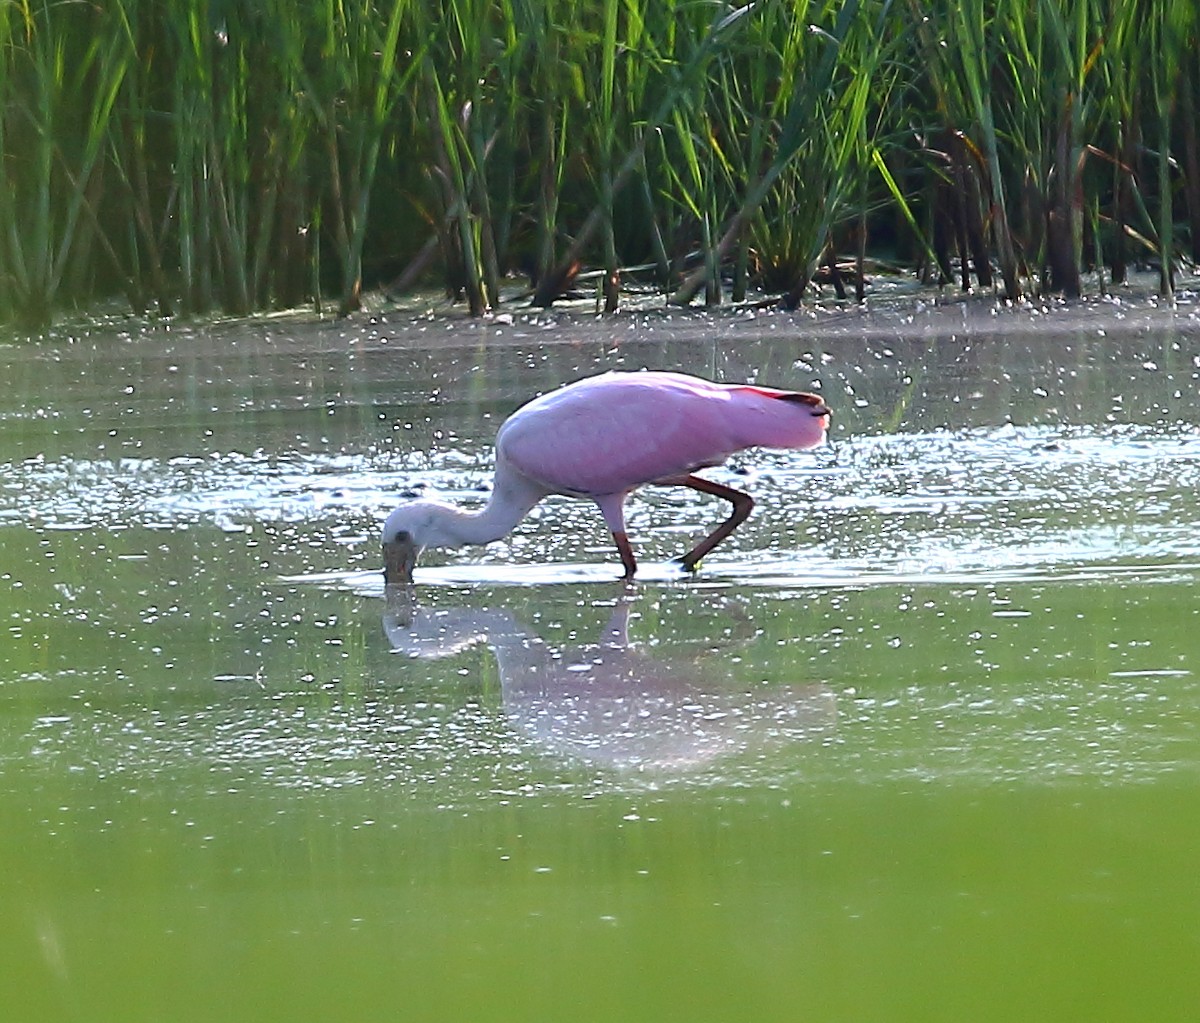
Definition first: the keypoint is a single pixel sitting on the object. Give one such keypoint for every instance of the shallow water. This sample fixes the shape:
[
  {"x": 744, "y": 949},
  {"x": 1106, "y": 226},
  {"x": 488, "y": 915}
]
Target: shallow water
[{"x": 922, "y": 740}]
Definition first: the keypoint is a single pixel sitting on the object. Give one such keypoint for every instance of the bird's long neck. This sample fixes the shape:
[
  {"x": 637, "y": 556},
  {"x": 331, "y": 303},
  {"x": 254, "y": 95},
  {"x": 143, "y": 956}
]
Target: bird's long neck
[
  {"x": 512, "y": 499},
  {"x": 495, "y": 520}
]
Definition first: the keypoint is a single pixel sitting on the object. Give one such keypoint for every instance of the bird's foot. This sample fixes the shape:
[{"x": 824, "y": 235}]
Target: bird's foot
[{"x": 687, "y": 564}]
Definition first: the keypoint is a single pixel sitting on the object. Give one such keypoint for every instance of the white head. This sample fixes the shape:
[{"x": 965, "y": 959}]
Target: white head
[{"x": 411, "y": 528}]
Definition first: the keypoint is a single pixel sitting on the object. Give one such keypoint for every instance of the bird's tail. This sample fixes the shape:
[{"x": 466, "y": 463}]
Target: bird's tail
[{"x": 782, "y": 419}]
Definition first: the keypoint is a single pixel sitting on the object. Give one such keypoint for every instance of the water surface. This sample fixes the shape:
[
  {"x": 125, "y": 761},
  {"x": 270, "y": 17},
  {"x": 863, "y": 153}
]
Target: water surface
[{"x": 922, "y": 740}]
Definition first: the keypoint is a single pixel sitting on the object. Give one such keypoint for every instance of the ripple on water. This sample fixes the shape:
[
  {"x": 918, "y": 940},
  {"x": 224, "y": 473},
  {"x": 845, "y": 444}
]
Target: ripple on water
[
  {"x": 1010, "y": 500},
  {"x": 1124, "y": 730}
]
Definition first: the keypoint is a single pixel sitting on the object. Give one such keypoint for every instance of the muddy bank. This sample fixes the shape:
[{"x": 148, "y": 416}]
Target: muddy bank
[{"x": 894, "y": 312}]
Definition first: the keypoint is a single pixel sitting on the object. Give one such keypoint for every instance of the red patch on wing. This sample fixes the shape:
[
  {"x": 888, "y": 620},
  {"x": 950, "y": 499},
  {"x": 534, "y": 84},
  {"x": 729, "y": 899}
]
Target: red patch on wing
[{"x": 801, "y": 397}]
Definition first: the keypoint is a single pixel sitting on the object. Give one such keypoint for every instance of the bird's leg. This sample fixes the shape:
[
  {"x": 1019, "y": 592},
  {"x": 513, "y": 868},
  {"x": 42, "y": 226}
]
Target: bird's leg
[
  {"x": 626, "y": 551},
  {"x": 742, "y": 503},
  {"x": 612, "y": 506}
]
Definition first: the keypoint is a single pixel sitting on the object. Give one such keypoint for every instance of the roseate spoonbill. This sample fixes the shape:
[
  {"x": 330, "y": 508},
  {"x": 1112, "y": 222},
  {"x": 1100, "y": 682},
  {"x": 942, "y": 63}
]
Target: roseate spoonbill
[{"x": 603, "y": 437}]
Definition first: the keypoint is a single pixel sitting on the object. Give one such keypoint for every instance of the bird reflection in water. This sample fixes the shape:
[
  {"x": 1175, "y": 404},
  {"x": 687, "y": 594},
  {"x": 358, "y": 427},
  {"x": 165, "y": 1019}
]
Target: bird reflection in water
[{"x": 612, "y": 704}]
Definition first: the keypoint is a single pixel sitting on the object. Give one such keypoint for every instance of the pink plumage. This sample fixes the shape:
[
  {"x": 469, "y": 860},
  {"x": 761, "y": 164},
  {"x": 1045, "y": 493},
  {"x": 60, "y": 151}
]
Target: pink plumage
[{"x": 607, "y": 435}]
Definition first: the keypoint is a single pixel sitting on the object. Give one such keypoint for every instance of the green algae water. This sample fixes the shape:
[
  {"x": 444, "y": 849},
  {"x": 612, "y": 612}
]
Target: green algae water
[{"x": 921, "y": 741}]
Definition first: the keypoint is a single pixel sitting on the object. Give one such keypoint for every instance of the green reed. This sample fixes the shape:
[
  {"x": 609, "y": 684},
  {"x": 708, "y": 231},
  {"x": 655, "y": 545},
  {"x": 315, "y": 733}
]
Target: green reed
[
  {"x": 1171, "y": 32},
  {"x": 240, "y": 156},
  {"x": 61, "y": 69}
]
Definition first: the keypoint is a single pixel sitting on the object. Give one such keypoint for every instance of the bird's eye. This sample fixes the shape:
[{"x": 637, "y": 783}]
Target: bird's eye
[{"x": 403, "y": 536}]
